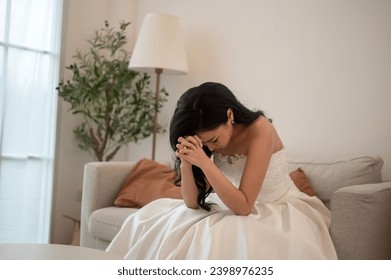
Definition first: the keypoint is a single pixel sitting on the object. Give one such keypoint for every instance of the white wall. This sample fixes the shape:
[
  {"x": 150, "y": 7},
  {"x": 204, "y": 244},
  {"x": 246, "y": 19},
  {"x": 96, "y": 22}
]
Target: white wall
[
  {"x": 81, "y": 19},
  {"x": 320, "y": 68}
]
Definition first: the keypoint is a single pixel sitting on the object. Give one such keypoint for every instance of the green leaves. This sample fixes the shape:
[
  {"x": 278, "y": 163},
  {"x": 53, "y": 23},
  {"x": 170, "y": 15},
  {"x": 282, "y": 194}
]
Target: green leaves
[{"x": 116, "y": 103}]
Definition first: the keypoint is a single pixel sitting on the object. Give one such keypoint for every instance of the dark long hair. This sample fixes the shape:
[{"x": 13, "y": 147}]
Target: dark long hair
[{"x": 204, "y": 108}]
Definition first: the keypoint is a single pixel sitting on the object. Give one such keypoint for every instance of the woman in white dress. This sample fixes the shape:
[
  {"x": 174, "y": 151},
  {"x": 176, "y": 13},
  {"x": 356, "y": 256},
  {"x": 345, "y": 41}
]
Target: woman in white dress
[{"x": 239, "y": 201}]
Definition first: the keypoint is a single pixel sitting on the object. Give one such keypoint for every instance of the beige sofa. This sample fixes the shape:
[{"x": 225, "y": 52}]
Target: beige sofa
[{"x": 359, "y": 201}]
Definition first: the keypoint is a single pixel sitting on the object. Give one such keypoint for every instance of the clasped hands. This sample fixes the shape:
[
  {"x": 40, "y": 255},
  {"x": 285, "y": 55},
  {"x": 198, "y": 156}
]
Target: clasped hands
[{"x": 189, "y": 148}]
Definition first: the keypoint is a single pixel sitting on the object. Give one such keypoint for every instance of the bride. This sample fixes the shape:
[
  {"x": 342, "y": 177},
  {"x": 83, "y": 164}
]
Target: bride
[{"x": 238, "y": 199}]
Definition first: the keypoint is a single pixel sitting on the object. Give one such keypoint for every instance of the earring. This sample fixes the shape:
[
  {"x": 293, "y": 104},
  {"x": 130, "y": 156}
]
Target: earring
[{"x": 233, "y": 121}]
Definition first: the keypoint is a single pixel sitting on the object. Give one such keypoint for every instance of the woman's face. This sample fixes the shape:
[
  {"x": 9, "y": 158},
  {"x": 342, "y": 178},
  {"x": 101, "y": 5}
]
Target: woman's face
[{"x": 216, "y": 139}]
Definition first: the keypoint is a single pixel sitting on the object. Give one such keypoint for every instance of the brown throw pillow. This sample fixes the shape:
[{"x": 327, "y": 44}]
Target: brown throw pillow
[
  {"x": 299, "y": 178},
  {"x": 148, "y": 181}
]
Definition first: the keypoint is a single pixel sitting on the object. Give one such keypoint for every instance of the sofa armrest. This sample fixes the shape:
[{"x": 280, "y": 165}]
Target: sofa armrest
[
  {"x": 361, "y": 221},
  {"x": 101, "y": 183}
]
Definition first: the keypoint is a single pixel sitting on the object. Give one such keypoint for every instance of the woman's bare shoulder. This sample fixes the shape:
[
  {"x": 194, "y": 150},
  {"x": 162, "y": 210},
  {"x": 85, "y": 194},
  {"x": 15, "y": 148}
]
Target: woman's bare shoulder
[
  {"x": 260, "y": 126},
  {"x": 263, "y": 130}
]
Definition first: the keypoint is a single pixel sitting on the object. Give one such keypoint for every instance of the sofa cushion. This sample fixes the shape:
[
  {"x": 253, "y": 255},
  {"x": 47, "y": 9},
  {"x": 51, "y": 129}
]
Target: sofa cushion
[
  {"x": 106, "y": 222},
  {"x": 328, "y": 177},
  {"x": 361, "y": 224},
  {"x": 148, "y": 181},
  {"x": 300, "y": 180}
]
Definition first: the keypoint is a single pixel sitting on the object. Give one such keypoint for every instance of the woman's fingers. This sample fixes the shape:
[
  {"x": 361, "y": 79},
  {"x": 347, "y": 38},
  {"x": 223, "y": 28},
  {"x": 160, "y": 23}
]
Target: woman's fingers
[
  {"x": 189, "y": 142},
  {"x": 184, "y": 147},
  {"x": 198, "y": 140},
  {"x": 181, "y": 139},
  {"x": 194, "y": 142}
]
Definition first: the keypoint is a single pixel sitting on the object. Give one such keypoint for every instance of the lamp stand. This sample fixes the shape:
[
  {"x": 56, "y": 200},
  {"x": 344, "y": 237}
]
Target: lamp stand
[{"x": 158, "y": 71}]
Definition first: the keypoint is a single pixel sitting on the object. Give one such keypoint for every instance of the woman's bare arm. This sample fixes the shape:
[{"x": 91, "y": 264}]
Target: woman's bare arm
[
  {"x": 260, "y": 150},
  {"x": 260, "y": 147},
  {"x": 189, "y": 189}
]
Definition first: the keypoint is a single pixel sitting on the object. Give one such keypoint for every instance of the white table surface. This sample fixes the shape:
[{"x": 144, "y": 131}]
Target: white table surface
[{"x": 52, "y": 252}]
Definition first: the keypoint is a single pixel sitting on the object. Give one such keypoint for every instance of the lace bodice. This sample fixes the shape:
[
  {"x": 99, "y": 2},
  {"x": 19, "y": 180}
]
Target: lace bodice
[{"x": 277, "y": 182}]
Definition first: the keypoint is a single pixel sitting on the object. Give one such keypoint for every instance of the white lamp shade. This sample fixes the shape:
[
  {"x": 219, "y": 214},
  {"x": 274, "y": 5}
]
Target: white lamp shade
[{"x": 160, "y": 45}]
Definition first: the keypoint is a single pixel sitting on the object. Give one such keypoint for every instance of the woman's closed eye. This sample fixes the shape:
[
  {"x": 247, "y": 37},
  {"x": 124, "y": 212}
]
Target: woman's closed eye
[
  {"x": 214, "y": 139},
  {"x": 210, "y": 141}
]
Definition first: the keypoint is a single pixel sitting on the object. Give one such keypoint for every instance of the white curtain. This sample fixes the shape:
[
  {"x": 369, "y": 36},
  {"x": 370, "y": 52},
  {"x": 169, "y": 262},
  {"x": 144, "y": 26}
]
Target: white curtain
[{"x": 30, "y": 32}]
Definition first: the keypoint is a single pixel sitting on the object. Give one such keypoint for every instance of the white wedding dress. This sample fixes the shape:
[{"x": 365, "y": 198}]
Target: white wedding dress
[{"x": 284, "y": 224}]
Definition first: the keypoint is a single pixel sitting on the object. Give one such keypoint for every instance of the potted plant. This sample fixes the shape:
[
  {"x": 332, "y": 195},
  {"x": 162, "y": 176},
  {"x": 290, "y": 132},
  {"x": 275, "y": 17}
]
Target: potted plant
[{"x": 116, "y": 103}]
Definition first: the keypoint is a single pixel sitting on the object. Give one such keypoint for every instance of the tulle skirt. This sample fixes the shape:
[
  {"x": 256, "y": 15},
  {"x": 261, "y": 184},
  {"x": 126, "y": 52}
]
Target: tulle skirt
[{"x": 293, "y": 227}]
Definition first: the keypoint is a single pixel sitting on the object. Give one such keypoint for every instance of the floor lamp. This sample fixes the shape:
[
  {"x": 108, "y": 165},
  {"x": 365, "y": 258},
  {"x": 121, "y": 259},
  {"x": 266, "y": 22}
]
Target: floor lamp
[{"x": 160, "y": 47}]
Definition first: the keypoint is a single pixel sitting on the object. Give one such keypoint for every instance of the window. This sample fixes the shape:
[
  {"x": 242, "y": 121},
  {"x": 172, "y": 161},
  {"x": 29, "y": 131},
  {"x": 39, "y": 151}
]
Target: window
[{"x": 30, "y": 32}]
